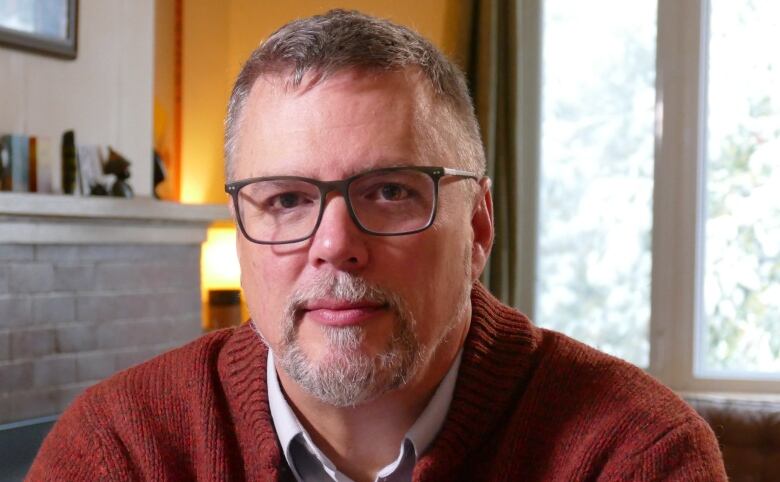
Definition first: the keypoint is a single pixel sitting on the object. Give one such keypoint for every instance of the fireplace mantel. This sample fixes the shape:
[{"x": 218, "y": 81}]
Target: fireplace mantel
[{"x": 56, "y": 219}]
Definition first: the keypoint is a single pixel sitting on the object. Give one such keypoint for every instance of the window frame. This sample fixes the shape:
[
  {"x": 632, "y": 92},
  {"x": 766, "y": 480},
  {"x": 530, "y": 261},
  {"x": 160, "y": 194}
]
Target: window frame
[{"x": 679, "y": 190}]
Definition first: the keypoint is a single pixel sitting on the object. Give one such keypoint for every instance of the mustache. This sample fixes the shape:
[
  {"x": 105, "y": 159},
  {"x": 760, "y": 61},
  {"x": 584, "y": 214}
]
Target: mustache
[{"x": 339, "y": 286}]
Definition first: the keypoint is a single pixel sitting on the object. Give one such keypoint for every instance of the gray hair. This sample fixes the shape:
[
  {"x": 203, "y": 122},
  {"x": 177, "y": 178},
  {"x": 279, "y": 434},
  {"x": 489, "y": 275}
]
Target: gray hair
[{"x": 341, "y": 40}]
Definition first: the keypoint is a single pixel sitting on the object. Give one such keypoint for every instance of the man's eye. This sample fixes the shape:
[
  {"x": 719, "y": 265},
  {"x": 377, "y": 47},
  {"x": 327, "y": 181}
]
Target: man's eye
[
  {"x": 287, "y": 200},
  {"x": 392, "y": 192}
]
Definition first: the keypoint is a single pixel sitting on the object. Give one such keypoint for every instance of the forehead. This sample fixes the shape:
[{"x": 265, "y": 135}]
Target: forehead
[{"x": 331, "y": 128}]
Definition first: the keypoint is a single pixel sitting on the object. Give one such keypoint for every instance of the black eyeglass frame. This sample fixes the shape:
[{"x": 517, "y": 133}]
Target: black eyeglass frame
[{"x": 342, "y": 187}]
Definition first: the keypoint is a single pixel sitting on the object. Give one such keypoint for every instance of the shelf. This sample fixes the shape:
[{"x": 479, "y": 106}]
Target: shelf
[{"x": 57, "y": 219}]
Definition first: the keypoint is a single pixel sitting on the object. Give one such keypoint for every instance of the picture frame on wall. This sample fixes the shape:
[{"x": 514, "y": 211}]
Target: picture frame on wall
[{"x": 47, "y": 27}]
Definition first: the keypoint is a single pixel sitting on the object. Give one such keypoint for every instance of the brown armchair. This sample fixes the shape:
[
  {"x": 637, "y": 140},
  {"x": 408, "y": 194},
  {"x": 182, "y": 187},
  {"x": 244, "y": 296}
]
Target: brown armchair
[{"x": 748, "y": 430}]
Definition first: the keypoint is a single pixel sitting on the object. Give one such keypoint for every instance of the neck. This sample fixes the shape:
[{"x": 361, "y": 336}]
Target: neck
[{"x": 363, "y": 439}]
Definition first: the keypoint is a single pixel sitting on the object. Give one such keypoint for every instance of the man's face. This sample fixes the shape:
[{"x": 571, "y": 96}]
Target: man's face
[{"x": 348, "y": 314}]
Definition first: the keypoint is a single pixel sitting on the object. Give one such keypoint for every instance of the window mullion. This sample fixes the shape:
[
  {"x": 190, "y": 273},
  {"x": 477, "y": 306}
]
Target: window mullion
[{"x": 677, "y": 189}]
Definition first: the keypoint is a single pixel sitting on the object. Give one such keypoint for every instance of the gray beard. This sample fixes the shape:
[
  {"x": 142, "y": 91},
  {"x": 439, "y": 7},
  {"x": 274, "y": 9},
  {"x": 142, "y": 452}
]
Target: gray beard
[{"x": 346, "y": 376}]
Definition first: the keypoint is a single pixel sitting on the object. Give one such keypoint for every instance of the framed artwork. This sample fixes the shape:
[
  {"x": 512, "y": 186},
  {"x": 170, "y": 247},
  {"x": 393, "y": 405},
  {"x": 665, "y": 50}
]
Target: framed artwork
[{"x": 43, "y": 26}]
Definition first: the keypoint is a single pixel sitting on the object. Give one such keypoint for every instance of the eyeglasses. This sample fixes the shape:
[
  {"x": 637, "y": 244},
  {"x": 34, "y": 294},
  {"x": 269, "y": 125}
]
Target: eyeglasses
[{"x": 384, "y": 202}]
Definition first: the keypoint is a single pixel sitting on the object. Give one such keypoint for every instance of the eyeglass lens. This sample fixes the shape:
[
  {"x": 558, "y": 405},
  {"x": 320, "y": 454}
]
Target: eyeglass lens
[{"x": 389, "y": 202}]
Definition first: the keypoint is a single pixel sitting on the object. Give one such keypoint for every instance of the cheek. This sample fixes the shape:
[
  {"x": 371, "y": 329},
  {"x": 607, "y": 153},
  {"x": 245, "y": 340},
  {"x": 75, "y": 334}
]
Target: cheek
[
  {"x": 435, "y": 278},
  {"x": 267, "y": 282}
]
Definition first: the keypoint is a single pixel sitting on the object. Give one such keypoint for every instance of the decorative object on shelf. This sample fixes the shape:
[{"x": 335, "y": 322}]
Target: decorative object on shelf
[
  {"x": 119, "y": 167},
  {"x": 94, "y": 180},
  {"x": 30, "y": 164},
  {"x": 47, "y": 27},
  {"x": 160, "y": 173},
  {"x": 224, "y": 309},
  {"x": 69, "y": 163}
]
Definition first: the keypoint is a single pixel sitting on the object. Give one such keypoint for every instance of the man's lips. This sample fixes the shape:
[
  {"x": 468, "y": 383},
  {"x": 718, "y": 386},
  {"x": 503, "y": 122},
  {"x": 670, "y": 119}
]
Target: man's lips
[{"x": 341, "y": 313}]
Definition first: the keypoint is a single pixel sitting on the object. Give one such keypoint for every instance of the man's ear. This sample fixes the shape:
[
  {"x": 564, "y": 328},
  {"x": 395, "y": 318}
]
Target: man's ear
[{"x": 482, "y": 225}]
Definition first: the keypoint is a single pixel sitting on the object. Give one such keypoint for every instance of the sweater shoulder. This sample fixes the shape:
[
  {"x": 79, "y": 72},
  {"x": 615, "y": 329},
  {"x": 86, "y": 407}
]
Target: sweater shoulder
[{"x": 608, "y": 386}]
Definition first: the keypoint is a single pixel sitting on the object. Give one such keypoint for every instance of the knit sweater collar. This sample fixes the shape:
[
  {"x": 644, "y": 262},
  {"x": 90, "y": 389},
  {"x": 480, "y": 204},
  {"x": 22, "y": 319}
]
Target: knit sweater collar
[{"x": 500, "y": 340}]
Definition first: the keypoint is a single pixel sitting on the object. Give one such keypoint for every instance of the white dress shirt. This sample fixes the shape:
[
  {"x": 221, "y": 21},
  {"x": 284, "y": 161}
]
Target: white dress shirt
[{"x": 309, "y": 464}]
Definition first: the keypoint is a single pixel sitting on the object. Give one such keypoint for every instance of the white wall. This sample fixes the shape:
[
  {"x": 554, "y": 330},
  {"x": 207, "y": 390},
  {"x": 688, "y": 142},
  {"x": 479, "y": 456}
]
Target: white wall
[{"x": 105, "y": 94}]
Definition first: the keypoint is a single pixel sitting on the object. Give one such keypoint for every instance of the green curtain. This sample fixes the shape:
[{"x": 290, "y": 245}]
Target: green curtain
[{"x": 503, "y": 72}]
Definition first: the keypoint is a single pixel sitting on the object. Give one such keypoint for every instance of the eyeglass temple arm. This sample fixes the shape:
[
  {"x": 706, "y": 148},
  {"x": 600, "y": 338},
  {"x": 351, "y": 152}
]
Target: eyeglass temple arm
[{"x": 458, "y": 172}]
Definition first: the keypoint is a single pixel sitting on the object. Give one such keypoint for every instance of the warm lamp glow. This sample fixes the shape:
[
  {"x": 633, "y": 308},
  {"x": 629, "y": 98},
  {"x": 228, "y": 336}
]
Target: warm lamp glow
[{"x": 219, "y": 262}]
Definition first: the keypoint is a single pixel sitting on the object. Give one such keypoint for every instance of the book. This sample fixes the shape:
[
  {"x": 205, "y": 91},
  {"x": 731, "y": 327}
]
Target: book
[
  {"x": 32, "y": 164},
  {"x": 20, "y": 167},
  {"x": 70, "y": 165},
  {"x": 49, "y": 166},
  {"x": 5, "y": 163},
  {"x": 14, "y": 160}
]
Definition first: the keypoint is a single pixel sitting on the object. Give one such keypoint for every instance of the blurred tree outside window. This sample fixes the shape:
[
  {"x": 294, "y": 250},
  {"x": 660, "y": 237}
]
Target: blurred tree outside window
[
  {"x": 596, "y": 181},
  {"x": 741, "y": 295}
]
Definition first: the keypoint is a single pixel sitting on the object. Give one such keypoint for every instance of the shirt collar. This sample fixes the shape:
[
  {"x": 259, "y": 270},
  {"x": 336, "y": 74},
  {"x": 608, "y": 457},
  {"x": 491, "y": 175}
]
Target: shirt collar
[{"x": 420, "y": 434}]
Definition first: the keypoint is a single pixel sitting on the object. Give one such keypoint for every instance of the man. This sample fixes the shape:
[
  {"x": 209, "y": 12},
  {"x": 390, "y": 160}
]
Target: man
[{"x": 355, "y": 172}]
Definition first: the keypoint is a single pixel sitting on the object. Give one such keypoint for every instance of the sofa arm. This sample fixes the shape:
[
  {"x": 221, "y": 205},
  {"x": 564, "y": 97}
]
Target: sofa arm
[{"x": 748, "y": 431}]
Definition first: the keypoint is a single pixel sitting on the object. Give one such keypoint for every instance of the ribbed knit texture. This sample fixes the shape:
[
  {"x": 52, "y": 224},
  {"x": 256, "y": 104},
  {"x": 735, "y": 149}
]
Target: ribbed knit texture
[{"x": 529, "y": 405}]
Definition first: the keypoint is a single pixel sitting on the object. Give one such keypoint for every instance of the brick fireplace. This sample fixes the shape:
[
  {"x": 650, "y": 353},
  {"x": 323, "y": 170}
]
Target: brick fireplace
[{"x": 89, "y": 287}]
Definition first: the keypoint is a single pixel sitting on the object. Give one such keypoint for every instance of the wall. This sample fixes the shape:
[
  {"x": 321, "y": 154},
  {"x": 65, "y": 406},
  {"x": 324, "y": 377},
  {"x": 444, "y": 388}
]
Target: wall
[
  {"x": 218, "y": 37},
  {"x": 71, "y": 315},
  {"x": 105, "y": 94},
  {"x": 164, "y": 94},
  {"x": 204, "y": 98}
]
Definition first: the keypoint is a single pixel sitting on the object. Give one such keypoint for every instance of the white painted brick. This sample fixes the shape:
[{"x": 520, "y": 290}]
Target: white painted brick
[
  {"x": 132, "y": 333},
  {"x": 31, "y": 277},
  {"x": 154, "y": 332},
  {"x": 30, "y": 343},
  {"x": 185, "y": 329},
  {"x": 56, "y": 308},
  {"x": 178, "y": 276},
  {"x": 57, "y": 253},
  {"x": 34, "y": 403},
  {"x": 15, "y": 310},
  {"x": 15, "y": 376},
  {"x": 138, "y": 252},
  {"x": 126, "y": 276},
  {"x": 112, "y": 252},
  {"x": 94, "y": 366},
  {"x": 76, "y": 337},
  {"x": 74, "y": 277},
  {"x": 53, "y": 371},
  {"x": 67, "y": 393},
  {"x": 99, "y": 307},
  {"x": 127, "y": 359},
  {"x": 134, "y": 305},
  {"x": 4, "y": 275},
  {"x": 118, "y": 335},
  {"x": 123, "y": 252},
  {"x": 178, "y": 304},
  {"x": 13, "y": 252},
  {"x": 6, "y": 408},
  {"x": 5, "y": 345},
  {"x": 182, "y": 253}
]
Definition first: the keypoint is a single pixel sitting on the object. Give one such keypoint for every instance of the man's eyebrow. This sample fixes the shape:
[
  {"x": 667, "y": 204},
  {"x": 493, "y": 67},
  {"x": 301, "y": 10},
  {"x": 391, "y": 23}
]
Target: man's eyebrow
[{"x": 380, "y": 163}]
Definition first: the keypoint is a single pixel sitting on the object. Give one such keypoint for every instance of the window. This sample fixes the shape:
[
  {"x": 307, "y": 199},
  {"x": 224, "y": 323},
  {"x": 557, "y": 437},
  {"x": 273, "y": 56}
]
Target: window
[
  {"x": 741, "y": 313},
  {"x": 596, "y": 173},
  {"x": 659, "y": 185}
]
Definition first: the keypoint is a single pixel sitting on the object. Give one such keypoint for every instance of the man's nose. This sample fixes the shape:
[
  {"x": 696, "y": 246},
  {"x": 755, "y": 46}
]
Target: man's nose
[{"x": 338, "y": 241}]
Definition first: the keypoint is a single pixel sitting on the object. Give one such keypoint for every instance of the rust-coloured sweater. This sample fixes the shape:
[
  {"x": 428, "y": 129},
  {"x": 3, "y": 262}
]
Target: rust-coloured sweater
[{"x": 529, "y": 405}]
